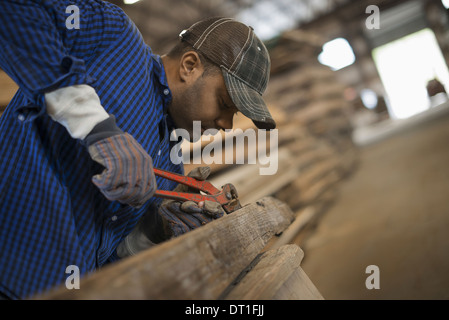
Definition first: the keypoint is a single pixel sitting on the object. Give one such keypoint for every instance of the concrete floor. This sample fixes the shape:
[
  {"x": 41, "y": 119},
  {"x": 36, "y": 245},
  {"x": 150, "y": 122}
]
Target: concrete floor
[{"x": 393, "y": 212}]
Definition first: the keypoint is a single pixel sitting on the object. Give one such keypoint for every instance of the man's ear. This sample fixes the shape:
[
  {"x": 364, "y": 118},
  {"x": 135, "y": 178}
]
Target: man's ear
[{"x": 190, "y": 67}]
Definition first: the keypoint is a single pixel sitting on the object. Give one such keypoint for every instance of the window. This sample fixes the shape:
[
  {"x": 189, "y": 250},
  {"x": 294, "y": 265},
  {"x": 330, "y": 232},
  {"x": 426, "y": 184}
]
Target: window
[
  {"x": 405, "y": 66},
  {"x": 337, "y": 54}
]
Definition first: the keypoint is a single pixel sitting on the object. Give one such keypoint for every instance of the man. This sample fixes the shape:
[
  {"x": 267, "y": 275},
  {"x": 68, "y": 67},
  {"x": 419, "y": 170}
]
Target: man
[{"x": 92, "y": 116}]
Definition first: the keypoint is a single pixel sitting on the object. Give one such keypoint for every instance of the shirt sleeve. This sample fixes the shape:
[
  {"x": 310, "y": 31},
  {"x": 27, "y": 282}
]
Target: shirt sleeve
[
  {"x": 33, "y": 53},
  {"x": 77, "y": 108}
]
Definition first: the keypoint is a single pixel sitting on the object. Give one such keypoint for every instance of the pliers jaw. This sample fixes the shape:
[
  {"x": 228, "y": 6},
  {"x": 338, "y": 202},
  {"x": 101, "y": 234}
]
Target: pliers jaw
[
  {"x": 227, "y": 197},
  {"x": 231, "y": 194}
]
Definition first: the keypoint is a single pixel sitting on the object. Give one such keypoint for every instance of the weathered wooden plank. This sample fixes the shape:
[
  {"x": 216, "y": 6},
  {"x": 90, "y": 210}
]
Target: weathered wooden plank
[
  {"x": 318, "y": 109},
  {"x": 302, "y": 219},
  {"x": 298, "y": 287},
  {"x": 277, "y": 275},
  {"x": 197, "y": 265}
]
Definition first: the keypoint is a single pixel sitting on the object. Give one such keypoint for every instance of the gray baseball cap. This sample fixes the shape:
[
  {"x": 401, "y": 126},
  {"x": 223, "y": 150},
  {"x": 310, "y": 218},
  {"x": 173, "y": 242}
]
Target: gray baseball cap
[{"x": 243, "y": 59}]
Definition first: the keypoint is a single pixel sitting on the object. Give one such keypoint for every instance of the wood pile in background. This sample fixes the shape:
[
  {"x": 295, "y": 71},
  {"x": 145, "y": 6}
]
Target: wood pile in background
[{"x": 313, "y": 98}]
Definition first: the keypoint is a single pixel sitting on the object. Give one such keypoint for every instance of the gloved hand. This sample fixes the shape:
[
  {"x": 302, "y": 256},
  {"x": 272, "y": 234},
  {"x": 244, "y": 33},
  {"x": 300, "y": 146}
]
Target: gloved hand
[
  {"x": 128, "y": 176},
  {"x": 171, "y": 219},
  {"x": 181, "y": 217}
]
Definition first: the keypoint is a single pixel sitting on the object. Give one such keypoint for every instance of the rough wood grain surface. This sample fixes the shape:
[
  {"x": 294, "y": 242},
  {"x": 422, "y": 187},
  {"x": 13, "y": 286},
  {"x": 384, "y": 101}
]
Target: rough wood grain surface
[
  {"x": 277, "y": 275},
  {"x": 197, "y": 265}
]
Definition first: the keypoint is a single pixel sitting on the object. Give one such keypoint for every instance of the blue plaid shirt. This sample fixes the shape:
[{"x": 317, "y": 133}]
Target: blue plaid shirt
[{"x": 51, "y": 215}]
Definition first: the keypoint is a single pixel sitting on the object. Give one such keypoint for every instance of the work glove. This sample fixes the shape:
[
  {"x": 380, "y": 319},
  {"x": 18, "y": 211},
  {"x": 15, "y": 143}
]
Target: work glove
[
  {"x": 128, "y": 176},
  {"x": 180, "y": 217}
]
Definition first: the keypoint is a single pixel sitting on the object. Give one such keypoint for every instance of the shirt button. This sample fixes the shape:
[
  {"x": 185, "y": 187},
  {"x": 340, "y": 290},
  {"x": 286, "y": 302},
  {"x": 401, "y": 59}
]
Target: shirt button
[
  {"x": 114, "y": 218},
  {"x": 21, "y": 117},
  {"x": 166, "y": 92}
]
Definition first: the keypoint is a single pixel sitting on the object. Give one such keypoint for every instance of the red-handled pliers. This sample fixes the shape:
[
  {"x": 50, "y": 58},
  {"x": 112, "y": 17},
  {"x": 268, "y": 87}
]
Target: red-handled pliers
[{"x": 227, "y": 197}]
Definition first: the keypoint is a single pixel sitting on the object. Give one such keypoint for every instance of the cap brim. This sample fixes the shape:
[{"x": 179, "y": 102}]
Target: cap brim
[{"x": 249, "y": 102}]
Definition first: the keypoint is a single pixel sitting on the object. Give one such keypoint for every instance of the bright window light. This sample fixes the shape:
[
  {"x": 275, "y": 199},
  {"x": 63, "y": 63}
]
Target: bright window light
[
  {"x": 369, "y": 98},
  {"x": 337, "y": 54},
  {"x": 445, "y": 3},
  {"x": 405, "y": 68},
  {"x": 130, "y": 1}
]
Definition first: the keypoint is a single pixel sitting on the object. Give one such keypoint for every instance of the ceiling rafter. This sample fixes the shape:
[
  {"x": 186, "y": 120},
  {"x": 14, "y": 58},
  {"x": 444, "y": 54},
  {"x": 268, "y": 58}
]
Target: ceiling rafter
[{"x": 161, "y": 21}]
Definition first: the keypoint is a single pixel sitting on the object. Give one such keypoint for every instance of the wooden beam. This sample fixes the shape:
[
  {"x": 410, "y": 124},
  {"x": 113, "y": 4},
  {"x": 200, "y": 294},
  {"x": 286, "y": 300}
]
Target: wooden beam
[
  {"x": 302, "y": 219},
  {"x": 197, "y": 265},
  {"x": 276, "y": 276}
]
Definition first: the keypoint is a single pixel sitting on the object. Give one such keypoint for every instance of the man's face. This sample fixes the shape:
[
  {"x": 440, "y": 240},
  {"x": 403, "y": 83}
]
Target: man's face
[{"x": 202, "y": 98}]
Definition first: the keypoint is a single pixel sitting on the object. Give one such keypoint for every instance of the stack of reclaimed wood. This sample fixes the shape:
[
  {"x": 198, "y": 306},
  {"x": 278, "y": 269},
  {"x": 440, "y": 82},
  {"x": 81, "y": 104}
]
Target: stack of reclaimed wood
[
  {"x": 315, "y": 149},
  {"x": 319, "y": 118}
]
